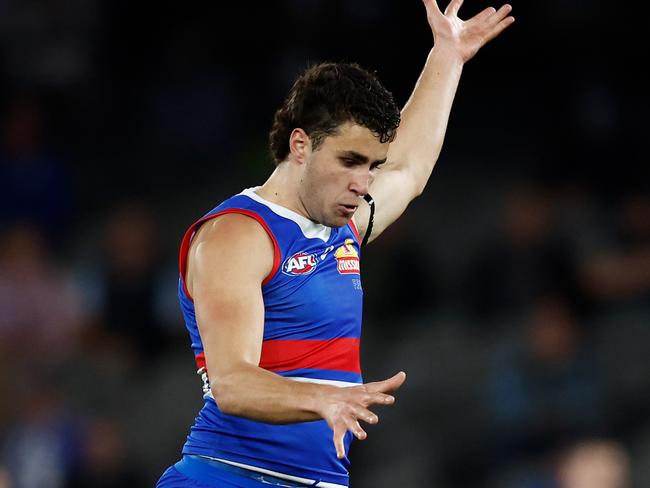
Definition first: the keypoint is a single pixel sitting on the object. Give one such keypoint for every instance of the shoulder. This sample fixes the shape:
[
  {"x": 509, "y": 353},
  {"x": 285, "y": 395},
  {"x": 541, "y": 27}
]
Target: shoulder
[
  {"x": 231, "y": 243},
  {"x": 234, "y": 231},
  {"x": 232, "y": 225}
]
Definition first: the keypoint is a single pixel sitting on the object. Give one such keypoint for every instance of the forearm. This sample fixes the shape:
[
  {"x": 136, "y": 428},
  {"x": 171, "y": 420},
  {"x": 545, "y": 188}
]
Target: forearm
[
  {"x": 424, "y": 117},
  {"x": 252, "y": 392}
]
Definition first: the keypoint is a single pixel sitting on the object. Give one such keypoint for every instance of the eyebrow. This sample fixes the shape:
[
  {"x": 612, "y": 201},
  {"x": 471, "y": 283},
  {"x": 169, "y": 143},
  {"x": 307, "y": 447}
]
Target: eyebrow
[{"x": 359, "y": 158}]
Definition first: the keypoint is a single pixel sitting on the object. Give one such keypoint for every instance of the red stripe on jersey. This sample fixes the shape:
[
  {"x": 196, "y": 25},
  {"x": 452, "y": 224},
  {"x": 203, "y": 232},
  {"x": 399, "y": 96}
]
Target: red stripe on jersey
[
  {"x": 284, "y": 355},
  {"x": 187, "y": 240},
  {"x": 355, "y": 231},
  {"x": 200, "y": 360}
]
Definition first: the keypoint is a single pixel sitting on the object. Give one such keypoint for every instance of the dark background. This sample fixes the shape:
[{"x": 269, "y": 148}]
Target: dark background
[{"x": 515, "y": 292}]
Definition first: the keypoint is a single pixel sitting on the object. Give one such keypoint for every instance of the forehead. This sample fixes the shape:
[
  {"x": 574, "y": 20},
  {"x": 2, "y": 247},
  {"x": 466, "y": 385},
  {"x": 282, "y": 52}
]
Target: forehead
[{"x": 357, "y": 138}]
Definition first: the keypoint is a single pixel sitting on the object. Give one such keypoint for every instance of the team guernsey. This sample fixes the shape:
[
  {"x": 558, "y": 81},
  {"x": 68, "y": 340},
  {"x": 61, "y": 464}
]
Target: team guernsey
[{"x": 312, "y": 326}]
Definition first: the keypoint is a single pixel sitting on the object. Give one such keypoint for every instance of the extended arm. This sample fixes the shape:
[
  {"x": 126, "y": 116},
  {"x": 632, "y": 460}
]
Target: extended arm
[
  {"x": 227, "y": 262},
  {"x": 415, "y": 150}
]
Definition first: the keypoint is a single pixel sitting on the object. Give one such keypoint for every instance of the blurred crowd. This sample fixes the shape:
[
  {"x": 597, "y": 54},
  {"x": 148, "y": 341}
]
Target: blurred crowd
[
  {"x": 527, "y": 351},
  {"x": 515, "y": 293}
]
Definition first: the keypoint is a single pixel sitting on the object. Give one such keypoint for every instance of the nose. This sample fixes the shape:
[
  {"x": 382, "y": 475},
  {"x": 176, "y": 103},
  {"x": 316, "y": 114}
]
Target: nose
[{"x": 360, "y": 182}]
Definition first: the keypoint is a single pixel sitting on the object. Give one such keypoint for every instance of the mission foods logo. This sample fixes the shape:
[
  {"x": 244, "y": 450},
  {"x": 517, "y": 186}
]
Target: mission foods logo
[
  {"x": 300, "y": 263},
  {"x": 347, "y": 258}
]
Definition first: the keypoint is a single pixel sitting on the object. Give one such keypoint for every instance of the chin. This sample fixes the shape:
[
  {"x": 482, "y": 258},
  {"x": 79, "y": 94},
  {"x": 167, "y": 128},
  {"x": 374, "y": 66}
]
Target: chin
[
  {"x": 337, "y": 221},
  {"x": 335, "y": 218}
]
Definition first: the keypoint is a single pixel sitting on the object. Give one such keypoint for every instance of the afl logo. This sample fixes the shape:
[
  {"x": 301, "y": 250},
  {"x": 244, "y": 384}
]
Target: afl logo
[{"x": 300, "y": 263}]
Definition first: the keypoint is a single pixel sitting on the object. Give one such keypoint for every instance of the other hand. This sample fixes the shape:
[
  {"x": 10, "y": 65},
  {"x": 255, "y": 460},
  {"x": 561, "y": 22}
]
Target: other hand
[
  {"x": 342, "y": 408},
  {"x": 466, "y": 37}
]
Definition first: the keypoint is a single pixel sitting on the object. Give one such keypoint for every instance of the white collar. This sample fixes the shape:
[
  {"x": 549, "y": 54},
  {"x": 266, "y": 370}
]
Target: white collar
[{"x": 310, "y": 229}]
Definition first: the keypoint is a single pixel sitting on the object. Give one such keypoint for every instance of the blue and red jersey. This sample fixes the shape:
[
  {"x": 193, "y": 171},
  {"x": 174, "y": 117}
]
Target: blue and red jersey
[{"x": 312, "y": 327}]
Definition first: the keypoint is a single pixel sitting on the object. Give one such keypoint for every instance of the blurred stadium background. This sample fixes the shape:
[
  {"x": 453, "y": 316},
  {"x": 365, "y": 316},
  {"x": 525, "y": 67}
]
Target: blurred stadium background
[{"x": 515, "y": 292}]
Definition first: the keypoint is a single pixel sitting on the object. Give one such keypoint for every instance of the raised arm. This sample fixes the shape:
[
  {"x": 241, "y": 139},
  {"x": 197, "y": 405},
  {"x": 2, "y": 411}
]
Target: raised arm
[
  {"x": 415, "y": 150},
  {"x": 227, "y": 262}
]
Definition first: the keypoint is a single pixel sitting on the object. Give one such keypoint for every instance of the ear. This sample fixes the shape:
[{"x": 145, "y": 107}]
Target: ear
[{"x": 299, "y": 145}]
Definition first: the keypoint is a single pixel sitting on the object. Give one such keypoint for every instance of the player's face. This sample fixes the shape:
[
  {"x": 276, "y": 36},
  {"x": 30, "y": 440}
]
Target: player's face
[{"x": 337, "y": 175}]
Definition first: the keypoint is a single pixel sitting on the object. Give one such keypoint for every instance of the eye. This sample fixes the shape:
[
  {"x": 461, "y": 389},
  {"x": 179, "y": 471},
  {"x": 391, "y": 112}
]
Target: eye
[{"x": 376, "y": 166}]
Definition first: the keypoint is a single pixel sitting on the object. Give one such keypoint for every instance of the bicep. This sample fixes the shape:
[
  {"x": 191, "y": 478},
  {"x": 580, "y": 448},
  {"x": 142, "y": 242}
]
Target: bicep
[{"x": 228, "y": 263}]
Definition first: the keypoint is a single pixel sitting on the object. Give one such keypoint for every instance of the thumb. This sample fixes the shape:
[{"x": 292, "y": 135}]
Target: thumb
[{"x": 386, "y": 386}]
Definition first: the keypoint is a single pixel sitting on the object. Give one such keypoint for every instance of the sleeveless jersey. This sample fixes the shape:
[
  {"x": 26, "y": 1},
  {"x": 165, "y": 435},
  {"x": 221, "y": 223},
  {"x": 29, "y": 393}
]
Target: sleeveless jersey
[{"x": 312, "y": 326}]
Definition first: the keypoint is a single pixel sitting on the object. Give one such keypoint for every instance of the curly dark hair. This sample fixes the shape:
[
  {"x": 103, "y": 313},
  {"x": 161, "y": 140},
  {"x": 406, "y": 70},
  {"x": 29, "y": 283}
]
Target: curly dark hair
[{"x": 327, "y": 95}]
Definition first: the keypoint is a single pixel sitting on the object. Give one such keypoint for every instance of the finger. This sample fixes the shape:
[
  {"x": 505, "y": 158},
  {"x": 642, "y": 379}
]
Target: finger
[
  {"x": 364, "y": 414},
  {"x": 483, "y": 15},
  {"x": 500, "y": 14},
  {"x": 354, "y": 427},
  {"x": 432, "y": 7},
  {"x": 499, "y": 28},
  {"x": 339, "y": 433},
  {"x": 378, "y": 399},
  {"x": 387, "y": 386},
  {"x": 453, "y": 7}
]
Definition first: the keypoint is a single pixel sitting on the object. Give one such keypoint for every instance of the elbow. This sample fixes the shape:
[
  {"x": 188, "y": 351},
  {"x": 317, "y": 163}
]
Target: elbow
[
  {"x": 418, "y": 176},
  {"x": 418, "y": 190},
  {"x": 227, "y": 387},
  {"x": 418, "y": 187},
  {"x": 224, "y": 396}
]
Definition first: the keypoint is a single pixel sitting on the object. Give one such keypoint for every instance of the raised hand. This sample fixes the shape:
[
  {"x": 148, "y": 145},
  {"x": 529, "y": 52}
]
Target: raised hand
[
  {"x": 466, "y": 36},
  {"x": 342, "y": 408}
]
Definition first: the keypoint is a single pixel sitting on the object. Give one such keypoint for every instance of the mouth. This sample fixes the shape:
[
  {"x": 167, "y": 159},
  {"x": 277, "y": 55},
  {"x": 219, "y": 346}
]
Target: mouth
[{"x": 348, "y": 209}]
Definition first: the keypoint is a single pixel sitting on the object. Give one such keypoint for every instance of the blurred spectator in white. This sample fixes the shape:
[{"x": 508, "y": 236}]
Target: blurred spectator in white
[
  {"x": 41, "y": 313},
  {"x": 594, "y": 464}
]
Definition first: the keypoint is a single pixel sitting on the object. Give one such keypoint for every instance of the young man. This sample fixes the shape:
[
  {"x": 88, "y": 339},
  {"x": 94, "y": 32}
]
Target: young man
[{"x": 270, "y": 279}]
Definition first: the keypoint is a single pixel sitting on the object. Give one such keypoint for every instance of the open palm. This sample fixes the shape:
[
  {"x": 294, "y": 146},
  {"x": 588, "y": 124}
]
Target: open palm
[{"x": 466, "y": 36}]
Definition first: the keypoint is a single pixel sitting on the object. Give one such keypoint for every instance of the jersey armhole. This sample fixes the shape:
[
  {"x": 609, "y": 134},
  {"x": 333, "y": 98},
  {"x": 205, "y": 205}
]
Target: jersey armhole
[
  {"x": 355, "y": 231},
  {"x": 191, "y": 232}
]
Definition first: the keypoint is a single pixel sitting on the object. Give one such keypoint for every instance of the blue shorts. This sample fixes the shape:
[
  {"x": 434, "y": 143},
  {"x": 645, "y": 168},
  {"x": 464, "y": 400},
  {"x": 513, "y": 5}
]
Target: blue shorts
[{"x": 195, "y": 472}]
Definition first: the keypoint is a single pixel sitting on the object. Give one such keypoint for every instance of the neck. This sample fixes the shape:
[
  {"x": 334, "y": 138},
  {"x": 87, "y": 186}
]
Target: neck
[{"x": 282, "y": 189}]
